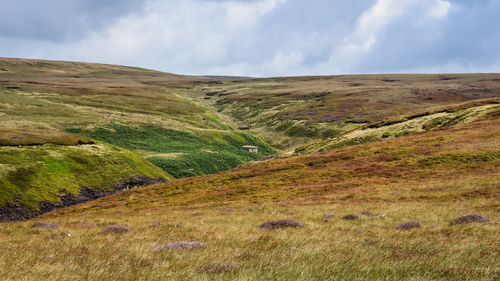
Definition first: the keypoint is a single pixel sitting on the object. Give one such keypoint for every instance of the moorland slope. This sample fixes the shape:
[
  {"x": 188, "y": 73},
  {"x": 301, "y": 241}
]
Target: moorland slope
[
  {"x": 375, "y": 211},
  {"x": 386, "y": 164},
  {"x": 67, "y": 125}
]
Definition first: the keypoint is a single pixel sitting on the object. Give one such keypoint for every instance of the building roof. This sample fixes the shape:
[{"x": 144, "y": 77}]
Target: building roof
[{"x": 249, "y": 146}]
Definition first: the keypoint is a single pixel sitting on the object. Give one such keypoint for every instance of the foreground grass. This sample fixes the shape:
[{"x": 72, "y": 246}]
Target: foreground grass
[
  {"x": 367, "y": 249},
  {"x": 432, "y": 177}
]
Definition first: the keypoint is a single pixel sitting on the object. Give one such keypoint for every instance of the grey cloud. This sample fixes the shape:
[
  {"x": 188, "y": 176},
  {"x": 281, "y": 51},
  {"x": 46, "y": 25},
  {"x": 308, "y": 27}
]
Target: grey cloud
[
  {"x": 294, "y": 37},
  {"x": 467, "y": 38},
  {"x": 60, "y": 20}
]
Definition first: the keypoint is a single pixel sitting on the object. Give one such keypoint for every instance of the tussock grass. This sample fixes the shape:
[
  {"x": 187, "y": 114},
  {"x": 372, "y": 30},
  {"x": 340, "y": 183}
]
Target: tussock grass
[
  {"x": 469, "y": 219},
  {"x": 338, "y": 250}
]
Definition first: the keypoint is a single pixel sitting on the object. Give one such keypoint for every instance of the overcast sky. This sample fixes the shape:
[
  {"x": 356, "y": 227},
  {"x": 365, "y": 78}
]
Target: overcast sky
[{"x": 261, "y": 37}]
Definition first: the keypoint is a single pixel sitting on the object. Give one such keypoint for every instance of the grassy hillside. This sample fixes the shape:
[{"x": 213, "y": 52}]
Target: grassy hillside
[
  {"x": 431, "y": 177},
  {"x": 146, "y": 111},
  {"x": 380, "y": 150},
  {"x": 36, "y": 173},
  {"x": 181, "y": 153},
  {"x": 288, "y": 112}
]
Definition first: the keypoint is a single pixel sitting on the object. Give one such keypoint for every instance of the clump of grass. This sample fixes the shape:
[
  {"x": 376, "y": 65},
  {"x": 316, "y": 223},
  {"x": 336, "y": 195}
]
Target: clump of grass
[
  {"x": 408, "y": 225},
  {"x": 42, "y": 224},
  {"x": 218, "y": 268},
  {"x": 183, "y": 245},
  {"x": 115, "y": 229},
  {"x": 279, "y": 224},
  {"x": 469, "y": 219},
  {"x": 351, "y": 217}
]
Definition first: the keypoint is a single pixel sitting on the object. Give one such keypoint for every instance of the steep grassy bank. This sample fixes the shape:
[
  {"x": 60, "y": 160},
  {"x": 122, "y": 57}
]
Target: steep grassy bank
[
  {"x": 31, "y": 175},
  {"x": 431, "y": 177}
]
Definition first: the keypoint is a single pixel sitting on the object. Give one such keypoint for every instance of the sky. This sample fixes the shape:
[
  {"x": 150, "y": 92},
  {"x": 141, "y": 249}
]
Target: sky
[{"x": 261, "y": 37}]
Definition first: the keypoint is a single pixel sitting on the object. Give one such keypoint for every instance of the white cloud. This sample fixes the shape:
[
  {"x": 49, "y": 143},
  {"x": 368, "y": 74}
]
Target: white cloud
[
  {"x": 174, "y": 34},
  {"x": 239, "y": 14},
  {"x": 440, "y": 9},
  {"x": 372, "y": 23}
]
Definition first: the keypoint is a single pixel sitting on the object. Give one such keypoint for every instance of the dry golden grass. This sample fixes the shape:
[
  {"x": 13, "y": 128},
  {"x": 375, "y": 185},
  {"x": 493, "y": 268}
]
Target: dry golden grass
[{"x": 26, "y": 136}]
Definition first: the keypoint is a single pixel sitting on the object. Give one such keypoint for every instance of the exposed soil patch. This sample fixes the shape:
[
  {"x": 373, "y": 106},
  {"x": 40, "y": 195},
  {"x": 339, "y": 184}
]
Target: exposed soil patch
[
  {"x": 469, "y": 219},
  {"x": 179, "y": 246},
  {"x": 279, "y": 224},
  {"x": 18, "y": 212},
  {"x": 408, "y": 225}
]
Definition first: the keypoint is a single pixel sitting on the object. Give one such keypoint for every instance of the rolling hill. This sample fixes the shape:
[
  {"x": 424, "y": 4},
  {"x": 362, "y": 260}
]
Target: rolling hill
[
  {"x": 149, "y": 115},
  {"x": 351, "y": 203},
  {"x": 358, "y": 177}
]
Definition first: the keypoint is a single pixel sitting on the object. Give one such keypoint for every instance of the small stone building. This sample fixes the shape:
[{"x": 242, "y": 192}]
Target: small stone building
[{"x": 251, "y": 148}]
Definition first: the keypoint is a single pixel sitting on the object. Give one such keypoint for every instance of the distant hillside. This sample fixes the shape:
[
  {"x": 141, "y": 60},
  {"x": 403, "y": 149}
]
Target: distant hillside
[
  {"x": 150, "y": 112},
  {"x": 289, "y": 112}
]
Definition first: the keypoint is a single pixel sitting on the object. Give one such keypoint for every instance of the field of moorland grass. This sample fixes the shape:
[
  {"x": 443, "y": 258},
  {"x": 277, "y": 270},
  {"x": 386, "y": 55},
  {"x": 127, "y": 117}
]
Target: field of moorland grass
[
  {"x": 431, "y": 177},
  {"x": 287, "y": 112},
  {"x": 451, "y": 116},
  {"x": 236, "y": 249}
]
